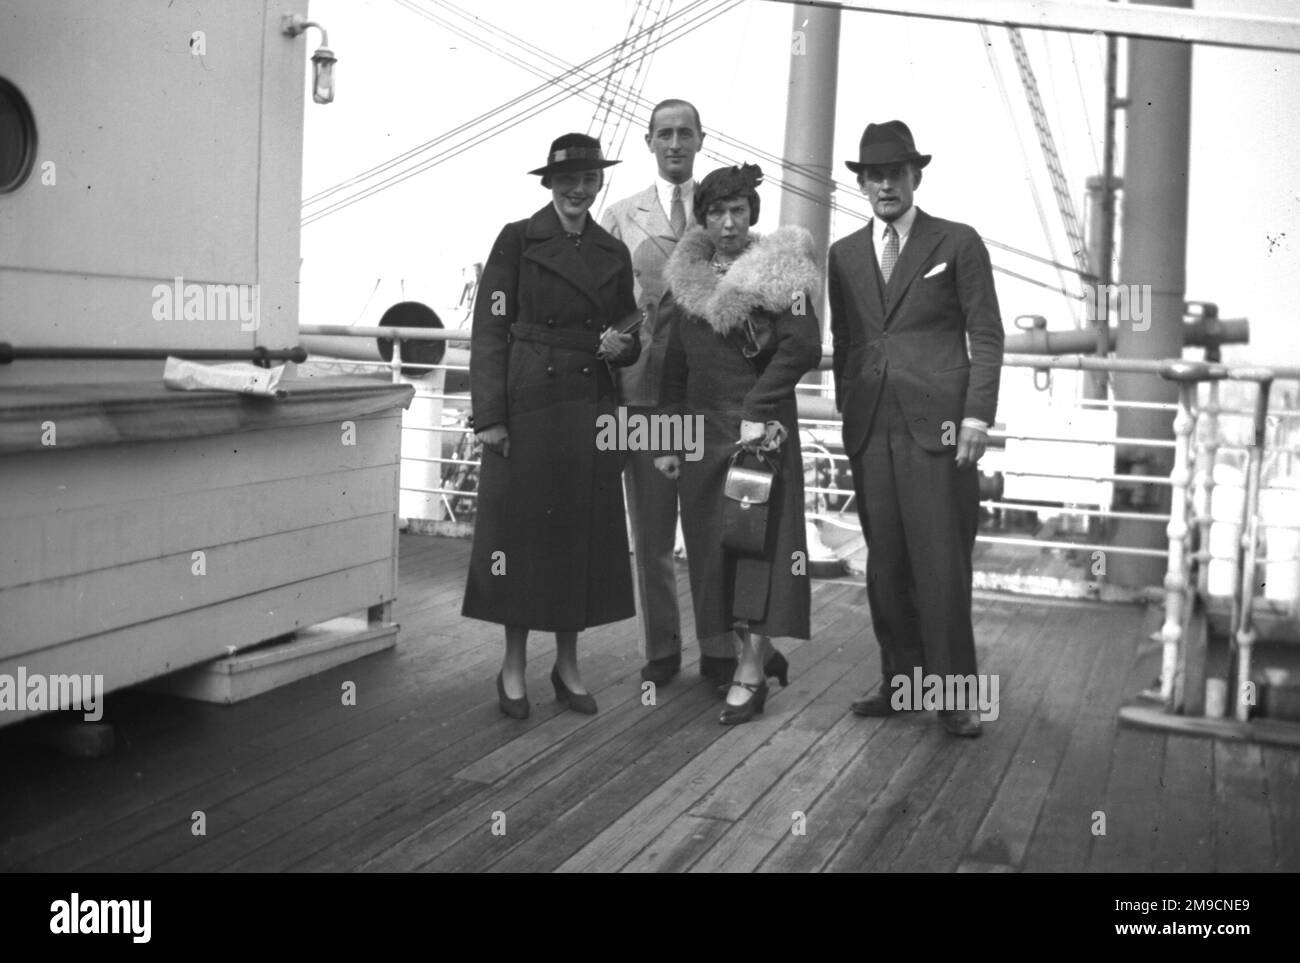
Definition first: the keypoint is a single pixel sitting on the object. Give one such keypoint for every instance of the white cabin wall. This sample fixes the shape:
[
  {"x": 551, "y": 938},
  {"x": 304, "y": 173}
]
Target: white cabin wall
[{"x": 156, "y": 155}]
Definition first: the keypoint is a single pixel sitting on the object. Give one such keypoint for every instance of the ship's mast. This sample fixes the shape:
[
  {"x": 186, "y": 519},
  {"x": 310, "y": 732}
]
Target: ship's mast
[
  {"x": 1153, "y": 258},
  {"x": 810, "y": 124}
]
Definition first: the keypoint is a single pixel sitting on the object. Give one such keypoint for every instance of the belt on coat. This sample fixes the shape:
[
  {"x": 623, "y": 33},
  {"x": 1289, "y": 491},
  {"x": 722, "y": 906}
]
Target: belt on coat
[{"x": 585, "y": 341}]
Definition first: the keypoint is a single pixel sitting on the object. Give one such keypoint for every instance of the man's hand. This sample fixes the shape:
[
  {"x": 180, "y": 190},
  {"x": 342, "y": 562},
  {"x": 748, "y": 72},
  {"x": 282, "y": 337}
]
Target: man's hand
[
  {"x": 670, "y": 465},
  {"x": 615, "y": 347},
  {"x": 971, "y": 443},
  {"x": 497, "y": 438}
]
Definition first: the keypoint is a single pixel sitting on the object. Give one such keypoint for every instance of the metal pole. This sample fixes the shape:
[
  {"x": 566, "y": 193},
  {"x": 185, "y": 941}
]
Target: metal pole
[
  {"x": 810, "y": 127},
  {"x": 1150, "y": 296}
]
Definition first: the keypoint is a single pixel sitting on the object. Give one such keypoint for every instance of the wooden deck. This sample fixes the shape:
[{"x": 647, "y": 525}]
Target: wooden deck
[{"x": 418, "y": 773}]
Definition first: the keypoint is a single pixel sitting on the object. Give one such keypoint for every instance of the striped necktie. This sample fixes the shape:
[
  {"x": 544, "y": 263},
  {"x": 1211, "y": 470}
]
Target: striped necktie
[
  {"x": 890, "y": 256},
  {"x": 678, "y": 215}
]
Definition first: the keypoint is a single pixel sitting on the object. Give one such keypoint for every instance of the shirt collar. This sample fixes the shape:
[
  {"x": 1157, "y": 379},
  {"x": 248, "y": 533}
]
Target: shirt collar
[
  {"x": 664, "y": 189},
  {"x": 902, "y": 224}
]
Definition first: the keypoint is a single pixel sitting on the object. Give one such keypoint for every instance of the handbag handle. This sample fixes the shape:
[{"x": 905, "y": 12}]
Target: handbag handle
[{"x": 758, "y": 453}]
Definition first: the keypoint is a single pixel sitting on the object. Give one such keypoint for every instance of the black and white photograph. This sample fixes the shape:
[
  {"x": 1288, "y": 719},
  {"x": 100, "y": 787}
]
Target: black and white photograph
[{"x": 710, "y": 436}]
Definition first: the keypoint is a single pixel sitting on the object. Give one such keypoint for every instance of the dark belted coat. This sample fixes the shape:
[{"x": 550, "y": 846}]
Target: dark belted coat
[
  {"x": 550, "y": 538},
  {"x": 706, "y": 375}
]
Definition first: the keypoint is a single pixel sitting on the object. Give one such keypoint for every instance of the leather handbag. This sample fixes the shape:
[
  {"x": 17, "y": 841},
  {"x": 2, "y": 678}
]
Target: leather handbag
[{"x": 747, "y": 502}]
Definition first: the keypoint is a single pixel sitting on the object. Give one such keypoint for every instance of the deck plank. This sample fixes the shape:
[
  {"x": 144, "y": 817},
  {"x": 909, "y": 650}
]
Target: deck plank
[
  {"x": 1004, "y": 834},
  {"x": 411, "y": 776},
  {"x": 1062, "y": 837},
  {"x": 1283, "y": 769},
  {"x": 1184, "y": 840},
  {"x": 1244, "y": 832},
  {"x": 942, "y": 835},
  {"x": 936, "y": 769},
  {"x": 618, "y": 809}
]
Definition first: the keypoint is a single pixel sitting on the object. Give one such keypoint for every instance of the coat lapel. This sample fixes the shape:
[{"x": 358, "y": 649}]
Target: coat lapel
[
  {"x": 650, "y": 216},
  {"x": 587, "y": 270},
  {"x": 921, "y": 242},
  {"x": 865, "y": 281}
]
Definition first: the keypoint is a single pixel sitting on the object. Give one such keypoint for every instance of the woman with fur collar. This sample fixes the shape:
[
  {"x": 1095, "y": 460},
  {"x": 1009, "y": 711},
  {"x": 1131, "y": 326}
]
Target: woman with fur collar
[{"x": 742, "y": 334}]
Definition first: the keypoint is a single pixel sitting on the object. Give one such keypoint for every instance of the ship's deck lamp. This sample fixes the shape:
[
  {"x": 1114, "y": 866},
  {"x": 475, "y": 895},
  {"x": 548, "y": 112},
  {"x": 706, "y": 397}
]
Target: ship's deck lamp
[{"x": 322, "y": 61}]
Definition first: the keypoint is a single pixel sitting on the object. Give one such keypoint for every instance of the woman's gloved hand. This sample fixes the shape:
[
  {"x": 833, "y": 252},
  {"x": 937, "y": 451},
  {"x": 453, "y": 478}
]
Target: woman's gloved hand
[
  {"x": 757, "y": 436},
  {"x": 617, "y": 348},
  {"x": 774, "y": 436},
  {"x": 751, "y": 433},
  {"x": 496, "y": 438},
  {"x": 670, "y": 465}
]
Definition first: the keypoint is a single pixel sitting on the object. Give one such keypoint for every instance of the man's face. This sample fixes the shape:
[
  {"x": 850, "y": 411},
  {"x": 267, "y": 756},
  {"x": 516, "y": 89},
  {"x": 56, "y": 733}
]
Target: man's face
[
  {"x": 727, "y": 224},
  {"x": 889, "y": 187},
  {"x": 674, "y": 141}
]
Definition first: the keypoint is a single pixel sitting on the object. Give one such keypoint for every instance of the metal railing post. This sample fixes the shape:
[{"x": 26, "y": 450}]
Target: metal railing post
[
  {"x": 396, "y": 363},
  {"x": 1177, "y": 574},
  {"x": 1248, "y": 559},
  {"x": 1206, "y": 460}
]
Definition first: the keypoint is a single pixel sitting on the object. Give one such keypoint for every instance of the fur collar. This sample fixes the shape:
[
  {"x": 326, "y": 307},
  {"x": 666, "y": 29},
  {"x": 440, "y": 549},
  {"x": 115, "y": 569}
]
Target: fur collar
[{"x": 766, "y": 277}]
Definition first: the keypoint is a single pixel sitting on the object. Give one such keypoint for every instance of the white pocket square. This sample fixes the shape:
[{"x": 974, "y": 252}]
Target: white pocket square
[{"x": 937, "y": 269}]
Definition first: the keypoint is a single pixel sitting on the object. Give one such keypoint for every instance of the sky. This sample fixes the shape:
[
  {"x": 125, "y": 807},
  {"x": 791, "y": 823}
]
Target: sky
[{"x": 404, "y": 80}]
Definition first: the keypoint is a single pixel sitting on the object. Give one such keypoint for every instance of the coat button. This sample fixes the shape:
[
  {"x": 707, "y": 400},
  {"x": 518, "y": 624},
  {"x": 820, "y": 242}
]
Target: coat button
[
  {"x": 586, "y": 371},
  {"x": 587, "y": 322},
  {"x": 550, "y": 322},
  {"x": 550, "y": 369}
]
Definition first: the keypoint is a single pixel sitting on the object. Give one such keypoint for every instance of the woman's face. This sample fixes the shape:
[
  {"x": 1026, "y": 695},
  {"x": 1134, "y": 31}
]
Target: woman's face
[
  {"x": 727, "y": 224},
  {"x": 575, "y": 191}
]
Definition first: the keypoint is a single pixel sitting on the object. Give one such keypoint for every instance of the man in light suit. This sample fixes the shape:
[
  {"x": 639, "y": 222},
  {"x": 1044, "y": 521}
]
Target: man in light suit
[
  {"x": 906, "y": 294},
  {"x": 650, "y": 223}
]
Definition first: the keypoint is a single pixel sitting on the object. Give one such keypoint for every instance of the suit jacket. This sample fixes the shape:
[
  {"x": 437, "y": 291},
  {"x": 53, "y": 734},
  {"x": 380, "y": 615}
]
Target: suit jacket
[
  {"x": 640, "y": 223},
  {"x": 914, "y": 332}
]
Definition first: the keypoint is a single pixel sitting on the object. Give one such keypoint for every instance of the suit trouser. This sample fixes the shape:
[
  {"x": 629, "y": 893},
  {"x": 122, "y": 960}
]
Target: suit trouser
[
  {"x": 919, "y": 512},
  {"x": 652, "y": 505}
]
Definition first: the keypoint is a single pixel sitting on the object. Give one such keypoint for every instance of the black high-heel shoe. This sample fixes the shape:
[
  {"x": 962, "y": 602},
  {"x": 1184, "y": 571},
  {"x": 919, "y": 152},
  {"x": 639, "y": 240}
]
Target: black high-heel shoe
[
  {"x": 777, "y": 668},
  {"x": 735, "y": 715},
  {"x": 583, "y": 703},
  {"x": 514, "y": 708}
]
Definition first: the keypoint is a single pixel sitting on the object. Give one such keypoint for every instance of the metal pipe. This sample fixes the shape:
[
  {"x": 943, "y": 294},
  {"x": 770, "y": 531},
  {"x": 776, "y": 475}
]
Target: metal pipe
[
  {"x": 9, "y": 352},
  {"x": 810, "y": 127},
  {"x": 1198, "y": 332},
  {"x": 1085, "y": 16}
]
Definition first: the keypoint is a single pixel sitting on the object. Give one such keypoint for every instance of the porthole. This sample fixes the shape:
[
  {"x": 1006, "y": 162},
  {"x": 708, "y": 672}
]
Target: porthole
[{"x": 17, "y": 138}]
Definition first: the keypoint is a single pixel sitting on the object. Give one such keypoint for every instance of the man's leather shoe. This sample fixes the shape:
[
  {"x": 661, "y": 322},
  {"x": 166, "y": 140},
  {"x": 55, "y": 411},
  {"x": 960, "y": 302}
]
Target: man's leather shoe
[
  {"x": 661, "y": 671},
  {"x": 717, "y": 669},
  {"x": 874, "y": 706},
  {"x": 961, "y": 722}
]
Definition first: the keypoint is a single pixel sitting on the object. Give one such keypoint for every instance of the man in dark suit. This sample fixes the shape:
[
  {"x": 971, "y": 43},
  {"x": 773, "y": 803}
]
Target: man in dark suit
[
  {"x": 650, "y": 223},
  {"x": 906, "y": 294}
]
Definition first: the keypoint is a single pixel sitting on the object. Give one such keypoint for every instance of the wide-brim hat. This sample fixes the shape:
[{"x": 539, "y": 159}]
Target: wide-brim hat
[
  {"x": 887, "y": 143},
  {"x": 574, "y": 152}
]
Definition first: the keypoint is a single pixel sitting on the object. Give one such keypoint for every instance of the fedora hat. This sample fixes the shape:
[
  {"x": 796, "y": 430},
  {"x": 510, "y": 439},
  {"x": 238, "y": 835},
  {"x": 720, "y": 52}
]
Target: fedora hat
[
  {"x": 887, "y": 143},
  {"x": 574, "y": 152}
]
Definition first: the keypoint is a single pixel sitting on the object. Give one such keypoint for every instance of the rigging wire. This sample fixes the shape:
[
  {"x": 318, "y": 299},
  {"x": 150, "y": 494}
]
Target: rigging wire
[
  {"x": 549, "y": 82},
  {"x": 836, "y": 206},
  {"x": 753, "y": 151},
  {"x": 479, "y": 138},
  {"x": 581, "y": 90},
  {"x": 1083, "y": 100}
]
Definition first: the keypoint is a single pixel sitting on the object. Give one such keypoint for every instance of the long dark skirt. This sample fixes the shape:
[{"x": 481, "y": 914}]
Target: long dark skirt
[{"x": 713, "y": 568}]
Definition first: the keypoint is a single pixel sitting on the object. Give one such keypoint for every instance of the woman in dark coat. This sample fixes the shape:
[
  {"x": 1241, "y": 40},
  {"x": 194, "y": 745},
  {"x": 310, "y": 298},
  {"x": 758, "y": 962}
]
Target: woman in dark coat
[
  {"x": 743, "y": 333},
  {"x": 550, "y": 540}
]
